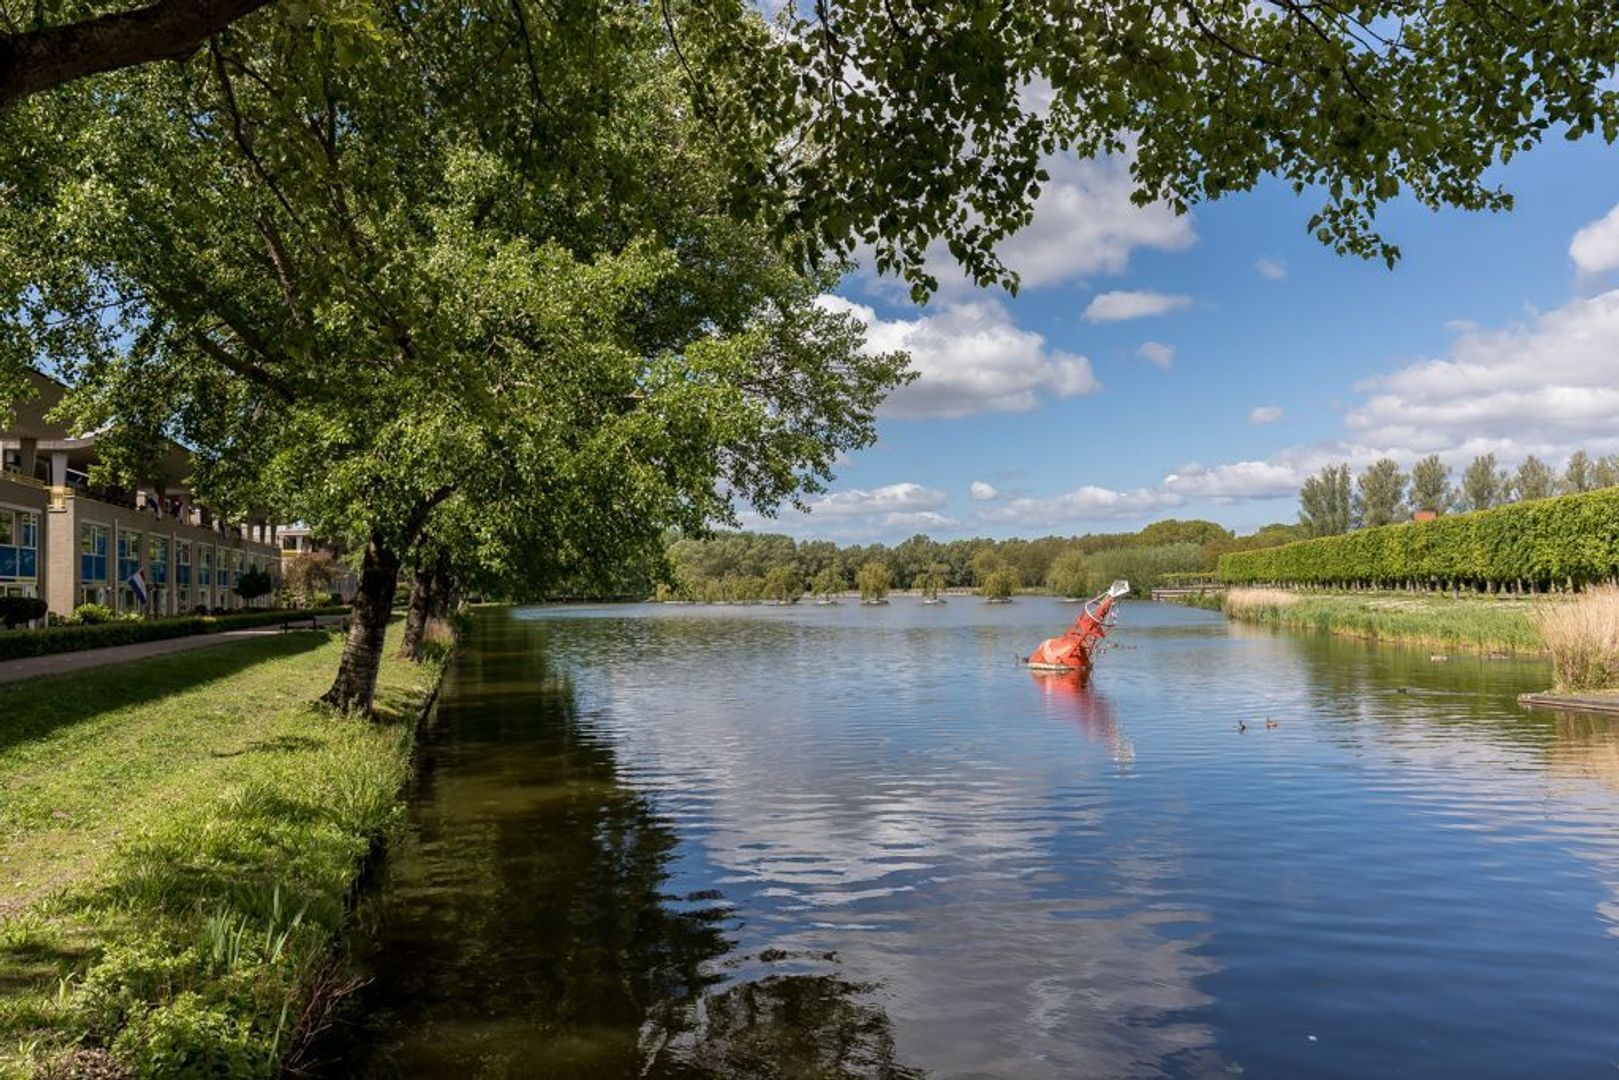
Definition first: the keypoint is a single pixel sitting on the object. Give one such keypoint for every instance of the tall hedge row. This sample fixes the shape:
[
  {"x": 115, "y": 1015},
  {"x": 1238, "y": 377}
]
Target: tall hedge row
[{"x": 1548, "y": 543}]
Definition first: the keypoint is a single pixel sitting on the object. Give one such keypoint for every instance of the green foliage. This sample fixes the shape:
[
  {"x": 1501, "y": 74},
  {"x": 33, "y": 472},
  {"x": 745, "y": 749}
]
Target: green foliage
[
  {"x": 1483, "y": 485},
  {"x": 1533, "y": 480},
  {"x": 253, "y": 584},
  {"x": 1569, "y": 540},
  {"x": 1430, "y": 485},
  {"x": 932, "y": 581},
  {"x": 1380, "y": 494},
  {"x": 59, "y": 639},
  {"x": 92, "y": 615},
  {"x": 999, "y": 583},
  {"x": 873, "y": 579},
  {"x": 16, "y": 610},
  {"x": 1070, "y": 574},
  {"x": 1143, "y": 567},
  {"x": 829, "y": 581},
  {"x": 1471, "y": 621},
  {"x": 1325, "y": 504},
  {"x": 783, "y": 584}
]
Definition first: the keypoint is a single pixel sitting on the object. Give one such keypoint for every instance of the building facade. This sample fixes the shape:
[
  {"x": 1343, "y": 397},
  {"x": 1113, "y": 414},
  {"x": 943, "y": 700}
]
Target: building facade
[{"x": 71, "y": 543}]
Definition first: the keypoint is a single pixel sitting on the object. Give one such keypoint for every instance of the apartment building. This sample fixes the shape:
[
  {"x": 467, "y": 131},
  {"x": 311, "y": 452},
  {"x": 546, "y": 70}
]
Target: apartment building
[{"x": 71, "y": 542}]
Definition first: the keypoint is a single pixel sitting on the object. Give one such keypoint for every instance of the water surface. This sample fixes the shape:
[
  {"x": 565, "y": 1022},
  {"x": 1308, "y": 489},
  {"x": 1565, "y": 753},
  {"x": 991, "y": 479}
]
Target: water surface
[{"x": 715, "y": 842}]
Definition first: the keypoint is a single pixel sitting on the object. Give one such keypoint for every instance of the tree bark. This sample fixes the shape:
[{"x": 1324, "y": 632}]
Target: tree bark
[
  {"x": 40, "y": 59},
  {"x": 356, "y": 685},
  {"x": 423, "y": 587}
]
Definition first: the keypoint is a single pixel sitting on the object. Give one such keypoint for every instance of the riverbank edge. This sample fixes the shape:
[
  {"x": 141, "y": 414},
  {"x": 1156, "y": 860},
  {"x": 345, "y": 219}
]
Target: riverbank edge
[
  {"x": 317, "y": 975},
  {"x": 1353, "y": 615},
  {"x": 1595, "y": 701}
]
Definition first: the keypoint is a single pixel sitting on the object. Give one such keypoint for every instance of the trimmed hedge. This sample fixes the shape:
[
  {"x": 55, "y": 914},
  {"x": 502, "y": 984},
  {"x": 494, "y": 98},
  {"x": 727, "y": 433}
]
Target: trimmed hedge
[
  {"x": 1569, "y": 541},
  {"x": 58, "y": 639}
]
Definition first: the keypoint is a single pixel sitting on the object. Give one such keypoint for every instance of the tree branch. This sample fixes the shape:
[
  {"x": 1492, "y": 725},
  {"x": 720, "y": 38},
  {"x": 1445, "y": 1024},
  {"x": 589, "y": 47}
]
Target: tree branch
[{"x": 167, "y": 30}]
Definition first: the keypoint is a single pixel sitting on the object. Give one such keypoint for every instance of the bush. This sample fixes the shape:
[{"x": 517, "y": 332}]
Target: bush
[
  {"x": 1568, "y": 541},
  {"x": 16, "y": 610},
  {"x": 92, "y": 614}
]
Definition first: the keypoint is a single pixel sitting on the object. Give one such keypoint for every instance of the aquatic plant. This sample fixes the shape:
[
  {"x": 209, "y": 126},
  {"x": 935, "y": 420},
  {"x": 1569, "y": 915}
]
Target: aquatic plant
[{"x": 1582, "y": 637}]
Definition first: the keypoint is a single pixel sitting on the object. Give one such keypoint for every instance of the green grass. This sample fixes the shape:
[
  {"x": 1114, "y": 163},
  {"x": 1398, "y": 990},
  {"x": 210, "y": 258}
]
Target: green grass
[
  {"x": 1474, "y": 622},
  {"x": 178, "y": 838}
]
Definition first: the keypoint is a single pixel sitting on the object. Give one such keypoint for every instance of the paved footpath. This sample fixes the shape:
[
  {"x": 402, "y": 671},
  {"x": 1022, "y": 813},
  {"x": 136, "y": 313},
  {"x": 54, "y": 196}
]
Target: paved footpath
[{"x": 62, "y": 663}]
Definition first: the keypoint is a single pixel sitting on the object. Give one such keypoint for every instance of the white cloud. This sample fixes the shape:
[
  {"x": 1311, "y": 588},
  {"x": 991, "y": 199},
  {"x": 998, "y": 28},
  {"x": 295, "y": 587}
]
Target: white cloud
[
  {"x": 1085, "y": 503},
  {"x": 1116, "y": 306},
  {"x": 1271, "y": 269},
  {"x": 1460, "y": 326},
  {"x": 905, "y": 498},
  {"x": 1540, "y": 387},
  {"x": 1084, "y": 224},
  {"x": 970, "y": 358},
  {"x": 1156, "y": 352},
  {"x": 984, "y": 492},
  {"x": 1265, "y": 414},
  {"x": 1595, "y": 248}
]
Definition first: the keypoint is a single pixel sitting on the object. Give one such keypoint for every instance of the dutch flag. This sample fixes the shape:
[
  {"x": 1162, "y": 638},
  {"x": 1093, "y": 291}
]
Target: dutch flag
[{"x": 137, "y": 585}]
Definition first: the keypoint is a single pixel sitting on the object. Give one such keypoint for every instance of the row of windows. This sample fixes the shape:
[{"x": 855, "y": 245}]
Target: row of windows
[{"x": 93, "y": 559}]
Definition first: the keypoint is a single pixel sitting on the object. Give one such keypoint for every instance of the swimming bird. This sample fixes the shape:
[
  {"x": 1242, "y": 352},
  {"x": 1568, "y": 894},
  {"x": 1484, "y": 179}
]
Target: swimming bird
[
  {"x": 1269, "y": 723},
  {"x": 1242, "y": 725}
]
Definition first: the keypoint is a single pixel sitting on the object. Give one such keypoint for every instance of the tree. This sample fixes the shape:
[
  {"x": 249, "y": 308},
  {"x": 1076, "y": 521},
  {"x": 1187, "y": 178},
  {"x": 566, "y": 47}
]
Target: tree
[
  {"x": 845, "y": 120},
  {"x": 931, "y": 581},
  {"x": 253, "y": 584},
  {"x": 1000, "y": 584},
  {"x": 1430, "y": 485},
  {"x": 1069, "y": 574},
  {"x": 1483, "y": 486},
  {"x": 784, "y": 583},
  {"x": 1533, "y": 480},
  {"x": 830, "y": 581},
  {"x": 1324, "y": 502},
  {"x": 307, "y": 578},
  {"x": 1577, "y": 474},
  {"x": 373, "y": 282},
  {"x": 873, "y": 579},
  {"x": 1605, "y": 472},
  {"x": 1380, "y": 494}
]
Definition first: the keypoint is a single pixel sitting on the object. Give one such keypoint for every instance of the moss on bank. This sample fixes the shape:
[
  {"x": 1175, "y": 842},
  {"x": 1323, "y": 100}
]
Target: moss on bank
[
  {"x": 1472, "y": 622},
  {"x": 178, "y": 839}
]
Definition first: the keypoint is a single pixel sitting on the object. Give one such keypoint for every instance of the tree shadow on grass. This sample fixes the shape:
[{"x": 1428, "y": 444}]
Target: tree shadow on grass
[{"x": 33, "y": 708}]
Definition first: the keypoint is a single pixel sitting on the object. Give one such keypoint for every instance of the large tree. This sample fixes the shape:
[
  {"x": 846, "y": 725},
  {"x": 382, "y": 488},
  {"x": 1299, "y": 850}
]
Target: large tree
[
  {"x": 1325, "y": 503},
  {"x": 388, "y": 294},
  {"x": 1430, "y": 485},
  {"x": 1533, "y": 480},
  {"x": 1483, "y": 485},
  {"x": 1380, "y": 494}
]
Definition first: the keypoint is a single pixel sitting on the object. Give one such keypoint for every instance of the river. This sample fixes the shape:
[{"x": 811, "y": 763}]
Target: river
[{"x": 683, "y": 842}]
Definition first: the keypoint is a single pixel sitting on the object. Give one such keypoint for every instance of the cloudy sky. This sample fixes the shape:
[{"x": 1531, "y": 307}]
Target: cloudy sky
[{"x": 1201, "y": 366}]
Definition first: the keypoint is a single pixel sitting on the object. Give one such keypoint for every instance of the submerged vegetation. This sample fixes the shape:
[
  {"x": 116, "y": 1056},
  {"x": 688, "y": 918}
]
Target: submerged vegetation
[{"x": 179, "y": 838}]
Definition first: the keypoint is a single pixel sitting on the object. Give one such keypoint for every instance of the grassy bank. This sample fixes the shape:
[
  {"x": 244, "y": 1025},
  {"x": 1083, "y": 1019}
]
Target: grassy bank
[
  {"x": 178, "y": 838},
  {"x": 1472, "y": 622}
]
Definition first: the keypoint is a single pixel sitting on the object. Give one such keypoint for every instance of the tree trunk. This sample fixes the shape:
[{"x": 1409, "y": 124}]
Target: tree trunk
[
  {"x": 422, "y": 588},
  {"x": 356, "y": 683}
]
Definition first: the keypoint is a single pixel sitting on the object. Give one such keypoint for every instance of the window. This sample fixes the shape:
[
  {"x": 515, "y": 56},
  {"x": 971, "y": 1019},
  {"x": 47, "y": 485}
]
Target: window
[
  {"x": 92, "y": 554},
  {"x": 289, "y": 543},
  {"x": 182, "y": 563},
  {"x": 205, "y": 572},
  {"x": 157, "y": 561},
  {"x": 19, "y": 545},
  {"x": 222, "y": 579},
  {"x": 129, "y": 554}
]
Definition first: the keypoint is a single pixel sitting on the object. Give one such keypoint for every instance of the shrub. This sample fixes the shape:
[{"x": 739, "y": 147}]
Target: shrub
[
  {"x": 253, "y": 584},
  {"x": 72, "y": 638},
  {"x": 93, "y": 614},
  {"x": 1582, "y": 636},
  {"x": 16, "y": 610}
]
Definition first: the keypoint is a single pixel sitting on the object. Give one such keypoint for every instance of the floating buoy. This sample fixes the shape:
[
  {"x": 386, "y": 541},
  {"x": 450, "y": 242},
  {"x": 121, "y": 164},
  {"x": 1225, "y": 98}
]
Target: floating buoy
[{"x": 1072, "y": 652}]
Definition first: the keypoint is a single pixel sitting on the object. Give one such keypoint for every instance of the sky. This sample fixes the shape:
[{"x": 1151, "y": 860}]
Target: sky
[{"x": 1202, "y": 366}]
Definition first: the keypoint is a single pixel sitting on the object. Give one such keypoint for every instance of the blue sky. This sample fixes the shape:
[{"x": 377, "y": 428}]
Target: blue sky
[{"x": 1201, "y": 366}]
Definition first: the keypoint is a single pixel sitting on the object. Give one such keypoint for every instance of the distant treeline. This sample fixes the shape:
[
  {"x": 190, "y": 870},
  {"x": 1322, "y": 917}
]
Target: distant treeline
[
  {"x": 763, "y": 566},
  {"x": 1554, "y": 543}
]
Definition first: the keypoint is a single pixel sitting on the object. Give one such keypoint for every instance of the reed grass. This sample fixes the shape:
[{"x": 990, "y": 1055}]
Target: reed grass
[
  {"x": 1481, "y": 623},
  {"x": 179, "y": 837},
  {"x": 1582, "y": 637}
]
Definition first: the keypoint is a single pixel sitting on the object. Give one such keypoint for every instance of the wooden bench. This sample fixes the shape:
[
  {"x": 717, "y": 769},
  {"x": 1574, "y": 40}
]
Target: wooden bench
[{"x": 315, "y": 622}]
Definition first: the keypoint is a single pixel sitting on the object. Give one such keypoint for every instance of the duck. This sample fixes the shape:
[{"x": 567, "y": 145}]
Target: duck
[
  {"x": 1269, "y": 723},
  {"x": 1242, "y": 725}
]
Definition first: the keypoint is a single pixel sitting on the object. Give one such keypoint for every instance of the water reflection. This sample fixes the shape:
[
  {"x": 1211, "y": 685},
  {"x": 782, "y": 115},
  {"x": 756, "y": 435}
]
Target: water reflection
[
  {"x": 525, "y": 927},
  {"x": 864, "y": 842}
]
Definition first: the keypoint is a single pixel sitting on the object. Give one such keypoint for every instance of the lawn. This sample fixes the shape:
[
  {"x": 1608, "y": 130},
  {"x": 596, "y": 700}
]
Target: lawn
[
  {"x": 178, "y": 840},
  {"x": 1474, "y": 622}
]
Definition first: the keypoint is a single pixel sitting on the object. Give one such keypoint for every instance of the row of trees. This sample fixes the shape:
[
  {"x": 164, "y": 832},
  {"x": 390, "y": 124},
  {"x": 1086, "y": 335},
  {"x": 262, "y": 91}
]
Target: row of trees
[
  {"x": 1563, "y": 542},
  {"x": 1383, "y": 494},
  {"x": 754, "y": 566}
]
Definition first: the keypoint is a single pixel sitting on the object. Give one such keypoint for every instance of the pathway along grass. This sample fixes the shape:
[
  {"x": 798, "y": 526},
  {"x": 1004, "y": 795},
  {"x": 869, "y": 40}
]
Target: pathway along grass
[
  {"x": 178, "y": 839},
  {"x": 1483, "y": 623}
]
